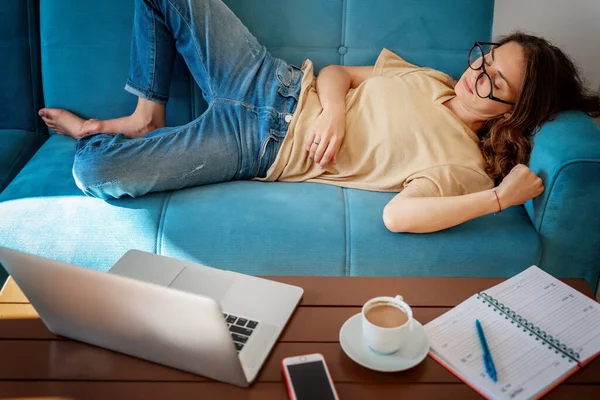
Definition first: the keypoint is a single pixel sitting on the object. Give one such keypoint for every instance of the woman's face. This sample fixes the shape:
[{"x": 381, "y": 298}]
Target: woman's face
[{"x": 506, "y": 66}]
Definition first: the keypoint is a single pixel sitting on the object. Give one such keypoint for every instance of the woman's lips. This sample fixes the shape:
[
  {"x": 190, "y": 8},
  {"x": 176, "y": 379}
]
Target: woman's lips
[{"x": 466, "y": 85}]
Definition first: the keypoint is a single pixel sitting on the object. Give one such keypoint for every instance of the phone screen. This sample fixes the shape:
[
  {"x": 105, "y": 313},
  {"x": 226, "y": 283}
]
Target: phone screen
[{"x": 310, "y": 381}]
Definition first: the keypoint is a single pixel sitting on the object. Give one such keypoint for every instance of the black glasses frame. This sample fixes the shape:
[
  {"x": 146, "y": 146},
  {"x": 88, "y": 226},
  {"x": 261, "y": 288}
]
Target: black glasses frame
[{"x": 484, "y": 72}]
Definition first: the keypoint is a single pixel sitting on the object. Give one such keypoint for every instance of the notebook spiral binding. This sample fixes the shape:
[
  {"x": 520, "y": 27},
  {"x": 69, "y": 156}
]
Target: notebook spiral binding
[{"x": 528, "y": 326}]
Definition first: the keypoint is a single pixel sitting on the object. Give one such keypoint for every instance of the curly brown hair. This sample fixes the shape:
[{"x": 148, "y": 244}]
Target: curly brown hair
[{"x": 552, "y": 84}]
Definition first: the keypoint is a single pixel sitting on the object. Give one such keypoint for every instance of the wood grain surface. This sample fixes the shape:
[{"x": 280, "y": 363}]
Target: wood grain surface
[{"x": 35, "y": 363}]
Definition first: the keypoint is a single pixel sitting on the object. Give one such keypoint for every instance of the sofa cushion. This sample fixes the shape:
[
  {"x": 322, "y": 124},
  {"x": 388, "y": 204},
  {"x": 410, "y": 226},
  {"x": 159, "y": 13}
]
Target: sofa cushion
[
  {"x": 353, "y": 32},
  {"x": 259, "y": 228},
  {"x": 85, "y": 61},
  {"x": 295, "y": 31},
  {"x": 492, "y": 245},
  {"x": 16, "y": 147},
  {"x": 43, "y": 212},
  {"x": 252, "y": 227},
  {"x": 423, "y": 32}
]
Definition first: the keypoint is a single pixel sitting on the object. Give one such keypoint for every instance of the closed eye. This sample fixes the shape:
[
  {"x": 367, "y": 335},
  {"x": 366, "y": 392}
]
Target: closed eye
[
  {"x": 499, "y": 72},
  {"x": 496, "y": 85}
]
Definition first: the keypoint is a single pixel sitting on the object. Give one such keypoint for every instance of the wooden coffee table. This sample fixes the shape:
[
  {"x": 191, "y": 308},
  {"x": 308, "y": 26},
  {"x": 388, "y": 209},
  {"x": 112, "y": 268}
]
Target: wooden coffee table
[{"x": 36, "y": 363}]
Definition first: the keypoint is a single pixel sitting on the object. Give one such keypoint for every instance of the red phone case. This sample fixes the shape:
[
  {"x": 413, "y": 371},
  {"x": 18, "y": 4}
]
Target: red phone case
[{"x": 288, "y": 380}]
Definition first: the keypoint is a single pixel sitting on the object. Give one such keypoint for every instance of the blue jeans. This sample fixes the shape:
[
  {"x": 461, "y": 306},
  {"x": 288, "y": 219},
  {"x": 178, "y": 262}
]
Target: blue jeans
[{"x": 251, "y": 97}]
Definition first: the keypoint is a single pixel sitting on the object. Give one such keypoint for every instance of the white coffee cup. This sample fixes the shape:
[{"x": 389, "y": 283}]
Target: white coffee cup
[{"x": 386, "y": 340}]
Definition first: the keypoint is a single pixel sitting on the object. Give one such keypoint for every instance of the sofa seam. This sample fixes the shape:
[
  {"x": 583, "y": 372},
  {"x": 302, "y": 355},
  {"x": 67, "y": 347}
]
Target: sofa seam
[
  {"x": 347, "y": 268},
  {"x": 556, "y": 176},
  {"x": 343, "y": 36},
  {"x": 31, "y": 72},
  {"x": 161, "y": 224}
]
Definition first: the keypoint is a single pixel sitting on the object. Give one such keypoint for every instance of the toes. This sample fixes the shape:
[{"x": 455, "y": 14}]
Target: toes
[
  {"x": 62, "y": 121},
  {"x": 44, "y": 114},
  {"x": 48, "y": 121},
  {"x": 49, "y": 113}
]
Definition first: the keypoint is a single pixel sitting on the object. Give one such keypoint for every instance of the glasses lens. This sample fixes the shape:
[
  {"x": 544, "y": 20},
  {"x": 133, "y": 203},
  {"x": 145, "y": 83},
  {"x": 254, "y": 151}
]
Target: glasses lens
[
  {"x": 483, "y": 86},
  {"x": 475, "y": 58},
  {"x": 479, "y": 54}
]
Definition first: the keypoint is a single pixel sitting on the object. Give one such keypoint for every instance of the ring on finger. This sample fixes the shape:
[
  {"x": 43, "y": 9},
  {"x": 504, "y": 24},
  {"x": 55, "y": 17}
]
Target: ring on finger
[{"x": 317, "y": 143}]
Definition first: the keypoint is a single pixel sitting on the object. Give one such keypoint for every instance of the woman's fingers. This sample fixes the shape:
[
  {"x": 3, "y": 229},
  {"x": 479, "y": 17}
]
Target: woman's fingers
[
  {"x": 322, "y": 148},
  {"x": 329, "y": 154},
  {"x": 311, "y": 139},
  {"x": 314, "y": 146},
  {"x": 323, "y": 145}
]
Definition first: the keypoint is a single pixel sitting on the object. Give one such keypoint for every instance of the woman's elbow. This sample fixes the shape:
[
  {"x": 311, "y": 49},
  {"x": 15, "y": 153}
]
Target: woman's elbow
[{"x": 393, "y": 220}]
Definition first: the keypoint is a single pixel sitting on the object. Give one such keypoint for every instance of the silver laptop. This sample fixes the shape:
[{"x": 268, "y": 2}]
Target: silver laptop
[{"x": 210, "y": 322}]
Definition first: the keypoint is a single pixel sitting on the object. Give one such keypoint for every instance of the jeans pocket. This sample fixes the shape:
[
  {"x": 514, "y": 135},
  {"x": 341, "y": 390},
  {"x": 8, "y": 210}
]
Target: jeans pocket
[{"x": 289, "y": 78}]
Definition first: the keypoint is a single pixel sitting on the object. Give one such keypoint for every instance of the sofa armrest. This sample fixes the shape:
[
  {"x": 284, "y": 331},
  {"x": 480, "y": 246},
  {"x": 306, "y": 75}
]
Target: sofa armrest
[{"x": 566, "y": 155}]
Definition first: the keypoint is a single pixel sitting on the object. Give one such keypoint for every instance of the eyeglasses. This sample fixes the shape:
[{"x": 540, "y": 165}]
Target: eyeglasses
[{"x": 483, "y": 84}]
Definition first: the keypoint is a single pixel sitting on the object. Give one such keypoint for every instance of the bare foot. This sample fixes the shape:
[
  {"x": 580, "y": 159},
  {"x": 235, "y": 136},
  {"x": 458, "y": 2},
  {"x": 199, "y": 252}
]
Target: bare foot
[
  {"x": 147, "y": 117},
  {"x": 66, "y": 123}
]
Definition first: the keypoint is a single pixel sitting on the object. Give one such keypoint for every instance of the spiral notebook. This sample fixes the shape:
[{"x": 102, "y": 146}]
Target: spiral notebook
[{"x": 539, "y": 331}]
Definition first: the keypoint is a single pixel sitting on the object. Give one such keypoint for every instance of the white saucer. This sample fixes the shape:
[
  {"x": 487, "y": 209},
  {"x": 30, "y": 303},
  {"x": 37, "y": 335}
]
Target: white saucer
[{"x": 412, "y": 352}]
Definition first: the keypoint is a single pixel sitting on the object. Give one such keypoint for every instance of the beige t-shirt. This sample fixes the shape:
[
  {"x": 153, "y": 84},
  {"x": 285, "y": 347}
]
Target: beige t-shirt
[{"x": 398, "y": 134}]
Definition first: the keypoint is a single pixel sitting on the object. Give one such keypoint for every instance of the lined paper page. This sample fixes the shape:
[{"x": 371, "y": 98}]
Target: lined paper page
[
  {"x": 524, "y": 365},
  {"x": 554, "y": 307}
]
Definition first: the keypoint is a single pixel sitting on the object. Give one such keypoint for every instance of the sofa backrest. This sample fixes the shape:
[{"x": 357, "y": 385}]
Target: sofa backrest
[
  {"x": 85, "y": 43},
  {"x": 433, "y": 33},
  {"x": 20, "y": 89}
]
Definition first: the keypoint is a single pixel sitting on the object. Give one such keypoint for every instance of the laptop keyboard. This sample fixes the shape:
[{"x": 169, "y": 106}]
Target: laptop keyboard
[{"x": 240, "y": 328}]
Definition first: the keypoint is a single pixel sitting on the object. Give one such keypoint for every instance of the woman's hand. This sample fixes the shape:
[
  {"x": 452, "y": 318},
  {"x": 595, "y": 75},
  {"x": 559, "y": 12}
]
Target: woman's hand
[
  {"x": 520, "y": 185},
  {"x": 326, "y": 135}
]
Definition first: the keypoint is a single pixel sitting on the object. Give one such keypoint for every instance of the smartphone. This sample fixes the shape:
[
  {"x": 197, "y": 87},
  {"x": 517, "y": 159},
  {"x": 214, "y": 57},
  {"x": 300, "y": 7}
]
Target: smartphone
[{"x": 307, "y": 378}]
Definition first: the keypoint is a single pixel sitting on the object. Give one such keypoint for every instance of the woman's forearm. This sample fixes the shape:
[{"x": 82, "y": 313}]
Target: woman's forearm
[
  {"x": 333, "y": 84},
  {"x": 431, "y": 214}
]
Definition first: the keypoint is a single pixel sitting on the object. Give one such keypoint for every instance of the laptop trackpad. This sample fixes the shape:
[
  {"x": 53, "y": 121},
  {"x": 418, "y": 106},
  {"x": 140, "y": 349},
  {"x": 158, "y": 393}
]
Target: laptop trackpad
[{"x": 204, "y": 282}]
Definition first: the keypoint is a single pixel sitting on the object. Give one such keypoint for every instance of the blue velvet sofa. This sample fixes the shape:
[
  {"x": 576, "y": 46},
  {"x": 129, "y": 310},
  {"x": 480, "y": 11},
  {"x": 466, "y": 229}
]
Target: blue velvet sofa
[{"x": 74, "y": 54}]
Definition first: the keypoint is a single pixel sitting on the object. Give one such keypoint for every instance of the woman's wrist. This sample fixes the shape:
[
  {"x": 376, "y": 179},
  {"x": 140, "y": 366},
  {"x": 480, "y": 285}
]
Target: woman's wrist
[
  {"x": 334, "y": 107},
  {"x": 498, "y": 202}
]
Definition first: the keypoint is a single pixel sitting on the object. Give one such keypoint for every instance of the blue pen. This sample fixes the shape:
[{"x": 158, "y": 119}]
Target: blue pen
[{"x": 487, "y": 356}]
